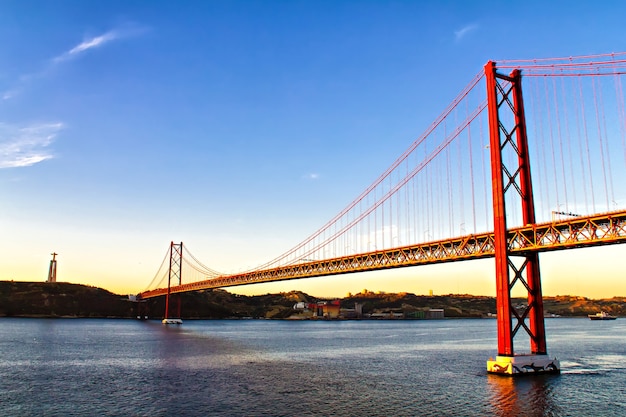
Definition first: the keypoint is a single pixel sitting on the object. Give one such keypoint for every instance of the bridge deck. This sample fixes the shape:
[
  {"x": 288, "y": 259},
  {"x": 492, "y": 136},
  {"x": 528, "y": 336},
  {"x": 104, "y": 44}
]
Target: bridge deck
[{"x": 597, "y": 230}]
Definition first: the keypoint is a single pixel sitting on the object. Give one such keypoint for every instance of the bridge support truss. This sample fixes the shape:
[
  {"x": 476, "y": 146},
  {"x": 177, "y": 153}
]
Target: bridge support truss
[
  {"x": 511, "y": 183},
  {"x": 172, "y": 301}
]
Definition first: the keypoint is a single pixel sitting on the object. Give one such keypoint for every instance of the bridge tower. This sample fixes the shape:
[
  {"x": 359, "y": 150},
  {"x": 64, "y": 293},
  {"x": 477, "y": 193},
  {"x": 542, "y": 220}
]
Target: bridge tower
[
  {"x": 175, "y": 273},
  {"x": 52, "y": 271},
  {"x": 511, "y": 184}
]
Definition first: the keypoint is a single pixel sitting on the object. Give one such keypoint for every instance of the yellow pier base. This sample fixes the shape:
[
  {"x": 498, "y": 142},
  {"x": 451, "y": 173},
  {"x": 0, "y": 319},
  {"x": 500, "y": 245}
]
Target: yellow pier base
[
  {"x": 172, "y": 321},
  {"x": 523, "y": 365}
]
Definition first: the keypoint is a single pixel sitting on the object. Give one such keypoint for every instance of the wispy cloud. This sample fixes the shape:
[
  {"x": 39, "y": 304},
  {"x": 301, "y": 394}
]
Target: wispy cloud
[
  {"x": 464, "y": 31},
  {"x": 87, "y": 44},
  {"x": 26, "y": 145},
  {"x": 312, "y": 176},
  {"x": 8, "y": 94}
]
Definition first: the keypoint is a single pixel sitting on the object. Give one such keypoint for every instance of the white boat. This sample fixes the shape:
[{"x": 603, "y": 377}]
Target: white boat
[
  {"x": 172, "y": 321},
  {"x": 603, "y": 315}
]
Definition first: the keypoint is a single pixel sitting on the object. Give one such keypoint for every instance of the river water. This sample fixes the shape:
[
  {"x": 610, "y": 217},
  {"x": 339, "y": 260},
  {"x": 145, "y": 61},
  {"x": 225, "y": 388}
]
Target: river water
[{"x": 93, "y": 367}]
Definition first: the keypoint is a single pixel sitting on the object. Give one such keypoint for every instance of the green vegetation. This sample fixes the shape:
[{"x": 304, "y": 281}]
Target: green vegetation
[{"x": 41, "y": 299}]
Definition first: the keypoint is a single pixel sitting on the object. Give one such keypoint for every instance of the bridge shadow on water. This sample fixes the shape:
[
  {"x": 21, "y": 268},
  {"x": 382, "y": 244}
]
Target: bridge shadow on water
[{"x": 523, "y": 396}]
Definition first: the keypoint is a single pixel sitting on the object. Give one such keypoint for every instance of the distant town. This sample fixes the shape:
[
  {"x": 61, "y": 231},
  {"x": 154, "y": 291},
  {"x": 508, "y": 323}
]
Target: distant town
[{"x": 334, "y": 310}]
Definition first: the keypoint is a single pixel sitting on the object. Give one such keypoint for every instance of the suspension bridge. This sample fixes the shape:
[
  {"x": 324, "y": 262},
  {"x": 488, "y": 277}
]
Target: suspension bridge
[{"x": 464, "y": 190}]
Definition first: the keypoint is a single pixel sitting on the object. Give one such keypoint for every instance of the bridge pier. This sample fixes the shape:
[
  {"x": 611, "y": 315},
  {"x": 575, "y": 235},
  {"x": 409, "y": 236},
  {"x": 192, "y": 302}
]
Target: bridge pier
[
  {"x": 142, "y": 309},
  {"x": 508, "y": 142},
  {"x": 523, "y": 365}
]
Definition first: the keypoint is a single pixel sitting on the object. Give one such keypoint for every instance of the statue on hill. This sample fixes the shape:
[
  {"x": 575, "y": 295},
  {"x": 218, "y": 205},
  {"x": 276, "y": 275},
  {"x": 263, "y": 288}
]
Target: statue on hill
[{"x": 52, "y": 272}]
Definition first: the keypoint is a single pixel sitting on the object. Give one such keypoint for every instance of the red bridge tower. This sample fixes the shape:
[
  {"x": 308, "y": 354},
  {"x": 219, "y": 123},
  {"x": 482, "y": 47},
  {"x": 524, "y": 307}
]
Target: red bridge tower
[
  {"x": 175, "y": 273},
  {"x": 511, "y": 184}
]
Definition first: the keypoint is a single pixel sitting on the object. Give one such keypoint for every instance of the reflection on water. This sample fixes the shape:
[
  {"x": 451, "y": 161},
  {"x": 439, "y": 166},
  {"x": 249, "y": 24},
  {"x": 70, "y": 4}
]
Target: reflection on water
[{"x": 523, "y": 395}]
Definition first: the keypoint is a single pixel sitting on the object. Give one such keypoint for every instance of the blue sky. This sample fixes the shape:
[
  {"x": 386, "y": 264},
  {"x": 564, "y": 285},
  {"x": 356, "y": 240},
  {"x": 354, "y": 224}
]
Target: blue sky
[{"x": 237, "y": 127}]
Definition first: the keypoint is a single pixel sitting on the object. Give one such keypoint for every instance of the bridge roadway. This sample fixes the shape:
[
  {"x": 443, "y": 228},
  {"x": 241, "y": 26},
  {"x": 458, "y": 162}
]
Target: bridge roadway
[{"x": 576, "y": 232}]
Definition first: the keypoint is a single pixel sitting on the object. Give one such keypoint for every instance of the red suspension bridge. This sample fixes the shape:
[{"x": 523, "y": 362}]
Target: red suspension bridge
[{"x": 464, "y": 190}]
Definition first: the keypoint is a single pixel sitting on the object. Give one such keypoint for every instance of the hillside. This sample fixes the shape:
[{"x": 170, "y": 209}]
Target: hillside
[
  {"x": 40, "y": 299},
  {"x": 465, "y": 305}
]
